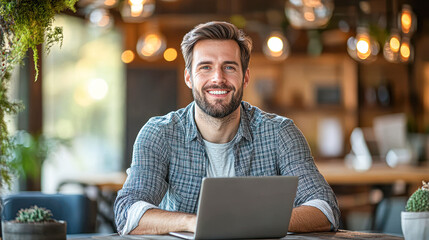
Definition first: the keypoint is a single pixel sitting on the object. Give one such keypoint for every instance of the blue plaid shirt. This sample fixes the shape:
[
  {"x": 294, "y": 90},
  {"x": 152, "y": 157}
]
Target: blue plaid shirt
[{"x": 169, "y": 161}]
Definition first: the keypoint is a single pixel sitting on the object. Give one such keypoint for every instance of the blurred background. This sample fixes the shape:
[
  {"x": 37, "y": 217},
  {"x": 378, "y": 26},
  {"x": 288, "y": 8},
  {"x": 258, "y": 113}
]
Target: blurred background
[{"x": 352, "y": 74}]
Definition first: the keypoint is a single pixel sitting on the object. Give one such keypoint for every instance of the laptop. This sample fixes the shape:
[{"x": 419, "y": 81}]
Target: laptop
[{"x": 244, "y": 207}]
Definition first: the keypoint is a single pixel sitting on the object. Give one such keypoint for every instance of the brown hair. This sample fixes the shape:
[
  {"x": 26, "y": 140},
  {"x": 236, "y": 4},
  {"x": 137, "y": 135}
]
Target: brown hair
[{"x": 217, "y": 31}]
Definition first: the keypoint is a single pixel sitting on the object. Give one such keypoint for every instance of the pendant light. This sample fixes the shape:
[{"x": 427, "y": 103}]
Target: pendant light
[
  {"x": 276, "y": 46},
  {"x": 137, "y": 10},
  {"x": 309, "y": 14},
  {"x": 363, "y": 47}
]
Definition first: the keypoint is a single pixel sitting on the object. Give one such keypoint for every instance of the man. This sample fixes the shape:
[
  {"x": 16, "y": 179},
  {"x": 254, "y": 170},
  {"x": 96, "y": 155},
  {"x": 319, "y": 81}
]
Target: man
[{"x": 216, "y": 135}]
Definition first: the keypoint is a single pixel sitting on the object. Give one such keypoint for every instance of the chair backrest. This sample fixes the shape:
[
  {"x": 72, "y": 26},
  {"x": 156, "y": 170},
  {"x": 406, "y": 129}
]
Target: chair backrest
[{"x": 77, "y": 210}]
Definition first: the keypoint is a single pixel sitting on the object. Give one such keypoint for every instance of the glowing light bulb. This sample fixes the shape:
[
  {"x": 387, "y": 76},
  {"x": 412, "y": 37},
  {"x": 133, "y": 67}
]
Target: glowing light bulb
[
  {"x": 405, "y": 51},
  {"x": 362, "y": 46},
  {"x": 309, "y": 15},
  {"x": 406, "y": 21},
  {"x": 170, "y": 54},
  {"x": 151, "y": 45},
  {"x": 137, "y": 10},
  {"x": 275, "y": 44},
  {"x": 127, "y": 56},
  {"x": 391, "y": 47},
  {"x": 394, "y": 44}
]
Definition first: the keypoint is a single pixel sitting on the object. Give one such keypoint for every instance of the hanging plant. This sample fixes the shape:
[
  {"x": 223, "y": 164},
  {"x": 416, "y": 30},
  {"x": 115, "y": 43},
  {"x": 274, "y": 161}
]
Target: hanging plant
[{"x": 24, "y": 24}]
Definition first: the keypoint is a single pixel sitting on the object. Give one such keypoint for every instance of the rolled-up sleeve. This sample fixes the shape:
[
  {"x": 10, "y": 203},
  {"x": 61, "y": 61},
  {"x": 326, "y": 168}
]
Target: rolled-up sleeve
[
  {"x": 146, "y": 180},
  {"x": 296, "y": 160}
]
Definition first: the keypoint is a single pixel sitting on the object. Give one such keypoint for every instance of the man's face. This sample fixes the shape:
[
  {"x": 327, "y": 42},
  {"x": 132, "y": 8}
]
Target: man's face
[{"x": 217, "y": 79}]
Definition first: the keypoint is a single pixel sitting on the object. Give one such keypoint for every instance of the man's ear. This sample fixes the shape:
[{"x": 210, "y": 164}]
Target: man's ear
[
  {"x": 246, "y": 78},
  {"x": 188, "y": 80}
]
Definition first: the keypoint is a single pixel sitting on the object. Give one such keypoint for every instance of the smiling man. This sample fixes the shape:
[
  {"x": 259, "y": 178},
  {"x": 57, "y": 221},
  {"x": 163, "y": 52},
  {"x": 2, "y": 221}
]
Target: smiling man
[{"x": 217, "y": 135}]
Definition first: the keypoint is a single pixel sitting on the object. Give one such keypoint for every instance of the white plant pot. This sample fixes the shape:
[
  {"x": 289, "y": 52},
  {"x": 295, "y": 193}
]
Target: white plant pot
[{"x": 415, "y": 225}]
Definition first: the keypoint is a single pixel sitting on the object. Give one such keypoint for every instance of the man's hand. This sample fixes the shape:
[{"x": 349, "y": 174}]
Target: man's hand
[
  {"x": 308, "y": 219},
  {"x": 157, "y": 221}
]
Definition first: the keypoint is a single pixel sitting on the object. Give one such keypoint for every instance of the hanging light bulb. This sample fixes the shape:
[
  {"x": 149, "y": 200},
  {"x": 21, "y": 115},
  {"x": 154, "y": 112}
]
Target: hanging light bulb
[
  {"x": 407, "y": 20},
  {"x": 309, "y": 14},
  {"x": 406, "y": 50},
  {"x": 137, "y": 10},
  {"x": 392, "y": 46},
  {"x": 276, "y": 46},
  {"x": 151, "y": 45},
  {"x": 127, "y": 56},
  {"x": 363, "y": 47}
]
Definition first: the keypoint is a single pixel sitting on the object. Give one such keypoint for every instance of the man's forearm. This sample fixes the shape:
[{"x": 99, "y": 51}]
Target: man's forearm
[
  {"x": 308, "y": 219},
  {"x": 157, "y": 221}
]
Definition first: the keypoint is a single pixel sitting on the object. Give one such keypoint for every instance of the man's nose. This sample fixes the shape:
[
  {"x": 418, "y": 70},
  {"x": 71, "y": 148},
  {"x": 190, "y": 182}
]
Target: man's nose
[{"x": 218, "y": 75}]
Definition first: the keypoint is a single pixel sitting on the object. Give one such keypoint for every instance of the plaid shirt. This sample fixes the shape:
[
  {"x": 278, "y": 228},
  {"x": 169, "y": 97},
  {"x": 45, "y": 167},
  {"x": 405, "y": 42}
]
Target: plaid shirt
[{"x": 169, "y": 161}]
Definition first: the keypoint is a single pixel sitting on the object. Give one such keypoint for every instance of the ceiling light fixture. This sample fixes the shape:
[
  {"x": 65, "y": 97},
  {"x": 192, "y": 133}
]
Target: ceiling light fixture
[
  {"x": 276, "y": 46},
  {"x": 363, "y": 47},
  {"x": 309, "y": 14},
  {"x": 407, "y": 20},
  {"x": 151, "y": 45},
  {"x": 392, "y": 46},
  {"x": 398, "y": 47},
  {"x": 137, "y": 10}
]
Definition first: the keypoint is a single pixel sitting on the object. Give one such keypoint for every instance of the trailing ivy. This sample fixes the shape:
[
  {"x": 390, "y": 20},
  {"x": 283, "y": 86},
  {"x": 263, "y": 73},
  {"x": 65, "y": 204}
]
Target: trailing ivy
[{"x": 24, "y": 24}]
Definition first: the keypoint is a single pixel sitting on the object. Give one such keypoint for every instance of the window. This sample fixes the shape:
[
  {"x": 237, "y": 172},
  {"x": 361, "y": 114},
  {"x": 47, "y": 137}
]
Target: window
[{"x": 83, "y": 102}]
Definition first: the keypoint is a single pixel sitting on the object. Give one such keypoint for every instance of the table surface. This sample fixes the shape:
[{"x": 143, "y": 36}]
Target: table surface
[
  {"x": 337, "y": 173},
  {"x": 341, "y": 234}
]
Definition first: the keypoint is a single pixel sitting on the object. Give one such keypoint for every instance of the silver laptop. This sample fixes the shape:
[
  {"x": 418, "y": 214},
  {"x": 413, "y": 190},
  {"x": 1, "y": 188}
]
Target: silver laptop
[{"x": 244, "y": 207}]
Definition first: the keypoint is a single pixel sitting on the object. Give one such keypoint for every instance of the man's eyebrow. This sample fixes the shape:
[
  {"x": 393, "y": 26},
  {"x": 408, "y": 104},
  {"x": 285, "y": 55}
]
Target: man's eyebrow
[
  {"x": 231, "y": 62},
  {"x": 203, "y": 63}
]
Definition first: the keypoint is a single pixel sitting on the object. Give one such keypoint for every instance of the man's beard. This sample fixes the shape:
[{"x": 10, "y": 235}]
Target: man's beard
[{"x": 218, "y": 109}]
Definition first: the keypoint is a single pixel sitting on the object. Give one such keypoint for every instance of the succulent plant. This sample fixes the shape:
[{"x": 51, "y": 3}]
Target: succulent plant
[
  {"x": 419, "y": 201},
  {"x": 34, "y": 214}
]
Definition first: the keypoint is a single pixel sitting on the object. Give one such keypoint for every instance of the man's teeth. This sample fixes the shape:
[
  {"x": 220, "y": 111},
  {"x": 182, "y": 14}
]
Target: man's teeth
[{"x": 218, "y": 92}]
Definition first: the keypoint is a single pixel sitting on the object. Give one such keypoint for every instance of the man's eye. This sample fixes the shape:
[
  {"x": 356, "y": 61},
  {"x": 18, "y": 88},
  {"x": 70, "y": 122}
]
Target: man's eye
[
  {"x": 229, "y": 68},
  {"x": 205, "y": 67}
]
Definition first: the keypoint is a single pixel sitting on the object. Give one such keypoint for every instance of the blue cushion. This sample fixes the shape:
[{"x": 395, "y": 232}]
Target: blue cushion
[{"x": 77, "y": 210}]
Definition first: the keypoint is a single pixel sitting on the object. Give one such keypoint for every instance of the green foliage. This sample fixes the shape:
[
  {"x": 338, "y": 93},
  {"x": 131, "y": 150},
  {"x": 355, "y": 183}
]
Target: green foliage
[
  {"x": 33, "y": 214},
  {"x": 6, "y": 144},
  {"x": 30, "y": 151},
  {"x": 31, "y": 21},
  {"x": 419, "y": 201},
  {"x": 24, "y": 24}
]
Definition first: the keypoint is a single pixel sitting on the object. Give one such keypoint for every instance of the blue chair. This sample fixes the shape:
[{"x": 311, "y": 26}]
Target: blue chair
[{"x": 77, "y": 210}]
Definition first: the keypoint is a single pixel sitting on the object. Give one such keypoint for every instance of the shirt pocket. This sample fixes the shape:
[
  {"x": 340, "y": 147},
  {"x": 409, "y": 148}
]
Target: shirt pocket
[{"x": 185, "y": 189}]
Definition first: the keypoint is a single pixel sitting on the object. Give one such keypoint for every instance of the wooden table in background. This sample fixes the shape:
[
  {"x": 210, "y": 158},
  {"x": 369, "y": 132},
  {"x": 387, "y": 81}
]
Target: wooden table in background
[
  {"x": 337, "y": 173},
  {"x": 363, "y": 191}
]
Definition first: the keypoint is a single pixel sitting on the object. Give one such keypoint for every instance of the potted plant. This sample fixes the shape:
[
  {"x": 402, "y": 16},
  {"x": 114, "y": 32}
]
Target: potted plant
[
  {"x": 34, "y": 223},
  {"x": 415, "y": 220}
]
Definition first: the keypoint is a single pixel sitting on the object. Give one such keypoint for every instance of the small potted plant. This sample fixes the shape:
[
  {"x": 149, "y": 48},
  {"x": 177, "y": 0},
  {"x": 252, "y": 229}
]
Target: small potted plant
[
  {"x": 34, "y": 223},
  {"x": 415, "y": 220}
]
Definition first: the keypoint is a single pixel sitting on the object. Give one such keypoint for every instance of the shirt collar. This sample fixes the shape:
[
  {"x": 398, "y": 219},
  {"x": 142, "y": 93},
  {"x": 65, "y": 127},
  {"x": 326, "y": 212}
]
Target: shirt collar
[
  {"x": 244, "y": 129},
  {"x": 192, "y": 132}
]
